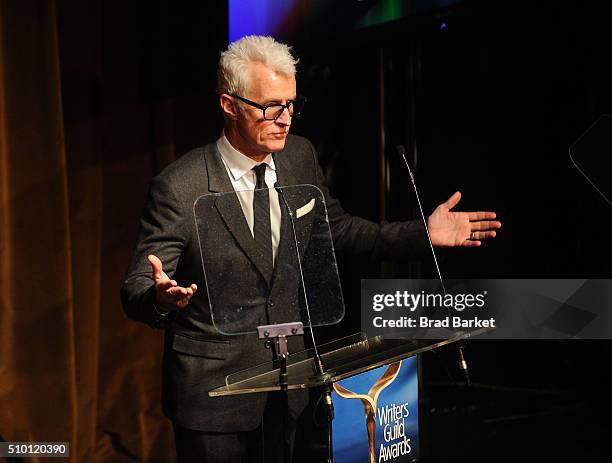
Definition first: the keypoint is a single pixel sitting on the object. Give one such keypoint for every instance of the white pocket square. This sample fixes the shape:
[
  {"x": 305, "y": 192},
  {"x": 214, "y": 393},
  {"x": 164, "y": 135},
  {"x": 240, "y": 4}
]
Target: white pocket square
[{"x": 305, "y": 209}]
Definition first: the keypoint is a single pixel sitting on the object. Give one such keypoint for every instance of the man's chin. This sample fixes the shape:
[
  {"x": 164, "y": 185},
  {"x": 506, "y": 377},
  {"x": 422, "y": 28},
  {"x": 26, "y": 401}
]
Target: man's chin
[{"x": 276, "y": 145}]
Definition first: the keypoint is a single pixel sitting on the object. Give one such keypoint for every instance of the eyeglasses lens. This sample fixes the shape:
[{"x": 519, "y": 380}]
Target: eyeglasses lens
[{"x": 273, "y": 112}]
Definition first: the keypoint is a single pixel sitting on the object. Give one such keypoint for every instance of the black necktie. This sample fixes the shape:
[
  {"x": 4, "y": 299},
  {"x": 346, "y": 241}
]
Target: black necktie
[{"x": 262, "y": 229}]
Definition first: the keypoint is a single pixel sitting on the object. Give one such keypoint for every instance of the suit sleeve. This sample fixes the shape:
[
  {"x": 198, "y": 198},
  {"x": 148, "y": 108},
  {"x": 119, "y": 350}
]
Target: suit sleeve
[
  {"x": 358, "y": 236},
  {"x": 162, "y": 232}
]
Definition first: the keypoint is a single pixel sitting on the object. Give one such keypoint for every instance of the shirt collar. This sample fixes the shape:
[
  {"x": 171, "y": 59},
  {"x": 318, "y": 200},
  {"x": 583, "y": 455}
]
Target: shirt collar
[{"x": 237, "y": 163}]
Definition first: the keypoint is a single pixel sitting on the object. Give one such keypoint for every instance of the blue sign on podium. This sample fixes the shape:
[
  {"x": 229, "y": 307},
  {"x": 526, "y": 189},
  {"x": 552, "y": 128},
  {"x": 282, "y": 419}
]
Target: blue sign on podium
[{"x": 377, "y": 416}]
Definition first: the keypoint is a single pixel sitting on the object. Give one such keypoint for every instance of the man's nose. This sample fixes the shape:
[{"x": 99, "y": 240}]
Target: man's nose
[{"x": 284, "y": 118}]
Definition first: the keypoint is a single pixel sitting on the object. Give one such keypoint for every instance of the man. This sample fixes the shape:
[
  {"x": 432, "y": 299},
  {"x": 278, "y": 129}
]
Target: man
[{"x": 165, "y": 284}]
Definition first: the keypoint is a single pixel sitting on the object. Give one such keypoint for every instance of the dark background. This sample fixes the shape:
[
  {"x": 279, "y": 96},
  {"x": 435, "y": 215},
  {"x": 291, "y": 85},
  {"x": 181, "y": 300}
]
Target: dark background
[
  {"x": 486, "y": 96},
  {"x": 490, "y": 96}
]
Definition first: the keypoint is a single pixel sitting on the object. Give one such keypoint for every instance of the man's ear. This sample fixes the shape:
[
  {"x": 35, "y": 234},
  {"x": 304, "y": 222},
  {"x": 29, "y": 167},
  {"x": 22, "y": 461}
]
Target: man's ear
[{"x": 229, "y": 106}]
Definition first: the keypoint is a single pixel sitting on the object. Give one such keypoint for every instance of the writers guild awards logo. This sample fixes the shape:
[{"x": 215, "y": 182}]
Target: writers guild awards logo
[{"x": 369, "y": 402}]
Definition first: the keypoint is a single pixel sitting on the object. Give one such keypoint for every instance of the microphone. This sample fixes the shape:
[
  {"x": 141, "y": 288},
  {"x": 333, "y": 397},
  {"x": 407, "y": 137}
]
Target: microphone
[
  {"x": 402, "y": 152},
  {"x": 463, "y": 366},
  {"x": 326, "y": 390}
]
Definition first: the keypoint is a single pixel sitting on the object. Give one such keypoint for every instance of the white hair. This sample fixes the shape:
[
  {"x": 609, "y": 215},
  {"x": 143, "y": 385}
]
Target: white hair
[{"x": 233, "y": 76}]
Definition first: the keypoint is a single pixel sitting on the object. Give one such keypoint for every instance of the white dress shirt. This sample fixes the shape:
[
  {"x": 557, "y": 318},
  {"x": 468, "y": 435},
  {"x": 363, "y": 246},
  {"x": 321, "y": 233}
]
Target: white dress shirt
[{"x": 240, "y": 170}]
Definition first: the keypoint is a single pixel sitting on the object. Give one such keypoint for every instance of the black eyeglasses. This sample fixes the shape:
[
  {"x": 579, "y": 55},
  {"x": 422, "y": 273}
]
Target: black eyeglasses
[{"x": 273, "y": 111}]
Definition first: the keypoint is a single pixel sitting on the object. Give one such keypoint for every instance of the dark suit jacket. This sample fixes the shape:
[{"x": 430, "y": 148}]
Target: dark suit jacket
[{"x": 196, "y": 356}]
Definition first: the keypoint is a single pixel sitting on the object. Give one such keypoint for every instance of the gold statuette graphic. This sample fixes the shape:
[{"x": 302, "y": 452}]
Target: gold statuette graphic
[{"x": 369, "y": 402}]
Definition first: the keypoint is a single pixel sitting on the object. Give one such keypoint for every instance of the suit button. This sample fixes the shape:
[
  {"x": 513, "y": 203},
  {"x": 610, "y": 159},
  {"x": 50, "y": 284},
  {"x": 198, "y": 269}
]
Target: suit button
[{"x": 268, "y": 343}]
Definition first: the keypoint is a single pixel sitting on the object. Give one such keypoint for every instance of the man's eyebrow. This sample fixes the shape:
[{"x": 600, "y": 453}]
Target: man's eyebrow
[{"x": 277, "y": 100}]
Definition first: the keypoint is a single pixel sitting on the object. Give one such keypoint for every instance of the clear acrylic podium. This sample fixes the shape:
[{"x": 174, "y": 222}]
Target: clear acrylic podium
[
  {"x": 341, "y": 359},
  {"x": 302, "y": 289},
  {"x": 244, "y": 290}
]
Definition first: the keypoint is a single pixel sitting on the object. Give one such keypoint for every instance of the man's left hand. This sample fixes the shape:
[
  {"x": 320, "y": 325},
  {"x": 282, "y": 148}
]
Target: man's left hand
[{"x": 448, "y": 228}]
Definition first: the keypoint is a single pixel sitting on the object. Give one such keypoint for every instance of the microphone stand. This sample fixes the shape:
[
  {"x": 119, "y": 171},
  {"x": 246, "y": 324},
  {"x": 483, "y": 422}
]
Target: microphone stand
[
  {"x": 320, "y": 371},
  {"x": 463, "y": 366}
]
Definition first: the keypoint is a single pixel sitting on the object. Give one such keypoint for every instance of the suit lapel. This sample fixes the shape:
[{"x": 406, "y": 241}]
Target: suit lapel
[
  {"x": 230, "y": 210},
  {"x": 285, "y": 177},
  {"x": 284, "y": 173}
]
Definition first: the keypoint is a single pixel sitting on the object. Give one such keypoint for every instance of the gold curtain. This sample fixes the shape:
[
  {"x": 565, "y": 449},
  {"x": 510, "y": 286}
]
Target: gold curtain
[{"x": 72, "y": 367}]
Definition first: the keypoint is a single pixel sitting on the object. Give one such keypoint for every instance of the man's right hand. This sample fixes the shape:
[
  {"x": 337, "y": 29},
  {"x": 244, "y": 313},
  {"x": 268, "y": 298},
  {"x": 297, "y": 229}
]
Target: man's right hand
[{"x": 169, "y": 295}]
